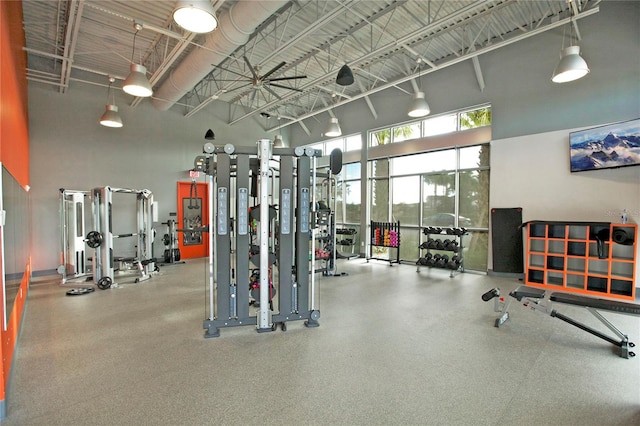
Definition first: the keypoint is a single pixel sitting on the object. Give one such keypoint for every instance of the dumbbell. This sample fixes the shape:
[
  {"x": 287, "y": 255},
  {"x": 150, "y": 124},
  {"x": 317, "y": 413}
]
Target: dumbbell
[
  {"x": 442, "y": 262},
  {"x": 424, "y": 245},
  {"x": 451, "y": 231},
  {"x": 460, "y": 231},
  {"x": 439, "y": 245},
  {"x": 431, "y": 243},
  {"x": 452, "y": 246},
  {"x": 445, "y": 244},
  {"x": 454, "y": 263},
  {"x": 431, "y": 260}
]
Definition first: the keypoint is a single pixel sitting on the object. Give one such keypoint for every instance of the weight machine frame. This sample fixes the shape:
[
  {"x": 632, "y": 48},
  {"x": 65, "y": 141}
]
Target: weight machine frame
[
  {"x": 228, "y": 276},
  {"x": 73, "y": 256},
  {"x": 103, "y": 259}
]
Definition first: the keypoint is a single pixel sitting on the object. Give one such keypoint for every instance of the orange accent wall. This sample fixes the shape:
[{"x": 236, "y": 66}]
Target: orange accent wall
[
  {"x": 14, "y": 150},
  {"x": 14, "y": 120},
  {"x": 184, "y": 192}
]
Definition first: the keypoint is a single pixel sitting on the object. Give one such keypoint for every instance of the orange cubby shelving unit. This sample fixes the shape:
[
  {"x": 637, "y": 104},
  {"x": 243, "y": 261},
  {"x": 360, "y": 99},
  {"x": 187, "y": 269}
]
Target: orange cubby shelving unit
[{"x": 592, "y": 258}]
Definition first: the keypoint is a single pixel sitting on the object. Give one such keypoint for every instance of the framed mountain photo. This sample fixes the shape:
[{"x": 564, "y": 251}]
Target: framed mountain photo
[{"x": 605, "y": 147}]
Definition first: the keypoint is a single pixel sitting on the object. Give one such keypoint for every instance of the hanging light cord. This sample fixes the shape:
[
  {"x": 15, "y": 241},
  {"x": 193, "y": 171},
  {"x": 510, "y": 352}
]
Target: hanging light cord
[
  {"x": 109, "y": 91},
  {"x": 133, "y": 53}
]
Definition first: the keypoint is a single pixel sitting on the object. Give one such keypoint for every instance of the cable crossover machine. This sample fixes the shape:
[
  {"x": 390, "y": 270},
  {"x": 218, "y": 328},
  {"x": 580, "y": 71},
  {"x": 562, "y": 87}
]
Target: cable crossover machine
[{"x": 248, "y": 227}]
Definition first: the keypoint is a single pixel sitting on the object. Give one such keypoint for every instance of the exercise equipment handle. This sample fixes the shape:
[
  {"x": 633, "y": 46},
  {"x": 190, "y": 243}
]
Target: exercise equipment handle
[
  {"x": 494, "y": 292},
  {"x": 124, "y": 235}
]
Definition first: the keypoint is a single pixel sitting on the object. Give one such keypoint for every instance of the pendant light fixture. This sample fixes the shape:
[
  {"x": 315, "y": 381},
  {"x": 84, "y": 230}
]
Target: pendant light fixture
[
  {"x": 571, "y": 66},
  {"x": 111, "y": 118},
  {"x": 333, "y": 129},
  {"x": 137, "y": 84},
  {"x": 277, "y": 140},
  {"x": 419, "y": 106},
  {"x": 196, "y": 16},
  {"x": 345, "y": 76}
]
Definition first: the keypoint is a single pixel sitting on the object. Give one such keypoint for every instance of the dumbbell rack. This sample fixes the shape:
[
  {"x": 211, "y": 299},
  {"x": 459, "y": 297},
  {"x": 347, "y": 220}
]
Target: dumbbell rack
[
  {"x": 385, "y": 234},
  {"x": 347, "y": 236},
  {"x": 453, "y": 244}
]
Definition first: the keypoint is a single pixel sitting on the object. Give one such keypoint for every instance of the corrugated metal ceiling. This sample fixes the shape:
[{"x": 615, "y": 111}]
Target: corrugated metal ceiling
[{"x": 386, "y": 43}]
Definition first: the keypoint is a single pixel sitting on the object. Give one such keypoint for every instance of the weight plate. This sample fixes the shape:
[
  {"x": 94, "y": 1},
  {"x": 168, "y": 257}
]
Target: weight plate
[
  {"x": 104, "y": 283},
  {"x": 94, "y": 239},
  {"x": 80, "y": 291}
]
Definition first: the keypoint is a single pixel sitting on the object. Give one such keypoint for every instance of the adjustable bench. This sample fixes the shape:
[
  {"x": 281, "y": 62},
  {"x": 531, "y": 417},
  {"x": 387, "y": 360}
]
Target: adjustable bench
[{"x": 533, "y": 298}]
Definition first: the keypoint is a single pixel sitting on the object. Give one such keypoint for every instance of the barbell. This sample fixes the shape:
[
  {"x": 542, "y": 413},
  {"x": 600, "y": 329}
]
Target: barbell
[{"x": 94, "y": 238}]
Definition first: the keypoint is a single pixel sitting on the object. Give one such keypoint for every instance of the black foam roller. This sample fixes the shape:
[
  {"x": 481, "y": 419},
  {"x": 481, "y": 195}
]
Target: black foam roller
[{"x": 621, "y": 236}]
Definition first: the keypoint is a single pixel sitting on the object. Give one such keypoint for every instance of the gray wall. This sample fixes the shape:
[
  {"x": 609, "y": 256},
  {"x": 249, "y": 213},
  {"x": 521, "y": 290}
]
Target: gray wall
[
  {"x": 69, "y": 149},
  {"x": 154, "y": 150}
]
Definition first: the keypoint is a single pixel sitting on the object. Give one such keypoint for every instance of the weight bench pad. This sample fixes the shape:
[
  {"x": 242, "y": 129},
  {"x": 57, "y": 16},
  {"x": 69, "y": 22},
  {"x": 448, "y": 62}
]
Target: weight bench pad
[
  {"x": 591, "y": 302},
  {"x": 526, "y": 291}
]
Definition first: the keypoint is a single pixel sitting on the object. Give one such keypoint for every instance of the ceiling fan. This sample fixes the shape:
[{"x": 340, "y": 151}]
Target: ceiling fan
[{"x": 258, "y": 81}]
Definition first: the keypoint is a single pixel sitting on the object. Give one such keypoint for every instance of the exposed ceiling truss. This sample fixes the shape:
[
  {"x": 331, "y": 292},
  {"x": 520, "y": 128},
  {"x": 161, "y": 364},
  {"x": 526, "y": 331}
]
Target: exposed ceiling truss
[{"x": 387, "y": 44}]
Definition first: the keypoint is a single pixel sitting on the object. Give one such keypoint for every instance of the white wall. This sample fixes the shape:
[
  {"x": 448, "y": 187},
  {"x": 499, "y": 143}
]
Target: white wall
[{"x": 533, "y": 172}]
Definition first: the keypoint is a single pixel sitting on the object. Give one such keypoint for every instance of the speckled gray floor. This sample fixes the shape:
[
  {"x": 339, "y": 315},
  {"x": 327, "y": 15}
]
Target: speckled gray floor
[{"x": 393, "y": 347}]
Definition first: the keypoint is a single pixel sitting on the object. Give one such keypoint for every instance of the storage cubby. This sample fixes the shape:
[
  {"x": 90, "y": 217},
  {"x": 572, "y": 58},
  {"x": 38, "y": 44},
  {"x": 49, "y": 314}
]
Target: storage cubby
[
  {"x": 555, "y": 262},
  {"x": 535, "y": 276},
  {"x": 556, "y": 231},
  {"x": 622, "y": 269},
  {"x": 575, "y": 281},
  {"x": 555, "y": 278},
  {"x": 598, "y": 267},
  {"x": 577, "y": 248},
  {"x": 622, "y": 287},
  {"x": 578, "y": 232},
  {"x": 556, "y": 247},
  {"x": 618, "y": 251},
  {"x": 597, "y": 284},
  {"x": 536, "y": 245},
  {"x": 537, "y": 261},
  {"x": 583, "y": 257},
  {"x": 575, "y": 264},
  {"x": 537, "y": 230}
]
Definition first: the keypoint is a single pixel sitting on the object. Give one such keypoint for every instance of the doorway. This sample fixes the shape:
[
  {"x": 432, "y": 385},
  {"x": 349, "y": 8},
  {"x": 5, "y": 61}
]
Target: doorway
[{"x": 193, "y": 208}]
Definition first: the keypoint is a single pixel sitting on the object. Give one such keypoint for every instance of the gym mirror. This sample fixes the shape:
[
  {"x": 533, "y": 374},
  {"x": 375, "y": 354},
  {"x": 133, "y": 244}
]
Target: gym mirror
[{"x": 15, "y": 202}]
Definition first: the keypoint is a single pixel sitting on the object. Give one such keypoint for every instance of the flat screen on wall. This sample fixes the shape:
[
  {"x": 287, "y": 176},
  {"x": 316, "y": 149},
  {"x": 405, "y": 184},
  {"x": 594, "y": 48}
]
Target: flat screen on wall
[{"x": 605, "y": 147}]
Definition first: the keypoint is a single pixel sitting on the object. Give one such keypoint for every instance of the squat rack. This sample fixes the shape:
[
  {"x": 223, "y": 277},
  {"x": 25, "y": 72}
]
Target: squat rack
[{"x": 101, "y": 238}]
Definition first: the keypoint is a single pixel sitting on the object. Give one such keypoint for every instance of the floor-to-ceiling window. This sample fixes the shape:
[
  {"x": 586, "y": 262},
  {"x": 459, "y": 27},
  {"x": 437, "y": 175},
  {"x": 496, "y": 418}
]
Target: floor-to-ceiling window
[
  {"x": 420, "y": 174},
  {"x": 446, "y": 187}
]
